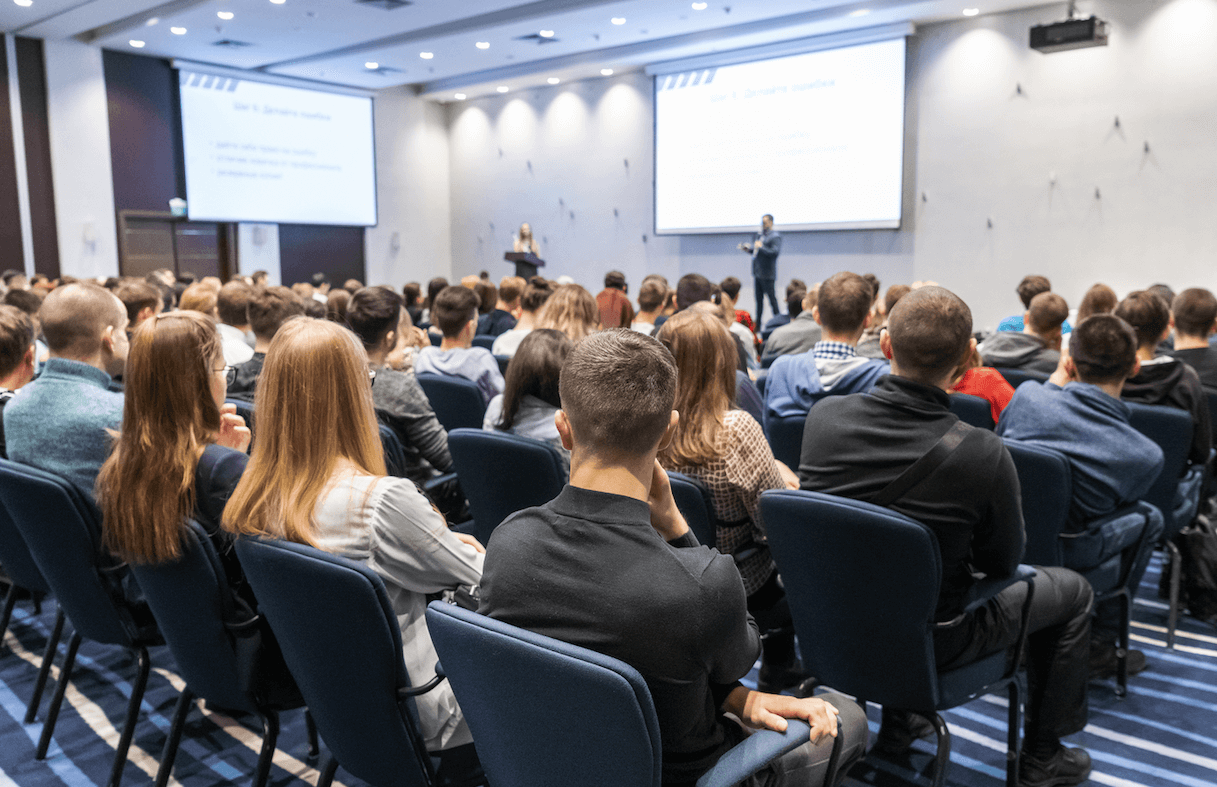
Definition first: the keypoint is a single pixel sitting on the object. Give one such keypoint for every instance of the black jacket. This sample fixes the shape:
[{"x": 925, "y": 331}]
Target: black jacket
[{"x": 1175, "y": 384}]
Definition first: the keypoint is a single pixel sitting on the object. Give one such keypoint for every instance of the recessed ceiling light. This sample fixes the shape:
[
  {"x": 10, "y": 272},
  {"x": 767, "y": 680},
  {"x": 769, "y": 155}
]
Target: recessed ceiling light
[
  {"x": 371, "y": 65},
  {"x": 426, "y": 55},
  {"x": 482, "y": 44},
  {"x": 278, "y": 2},
  {"x": 502, "y": 88},
  {"x": 152, "y": 21},
  {"x": 225, "y": 15},
  {"x": 553, "y": 80},
  {"x": 136, "y": 43},
  {"x": 606, "y": 72},
  {"x": 860, "y": 12},
  {"x": 178, "y": 31},
  {"x": 618, "y": 20},
  {"x": 546, "y": 34},
  {"x": 459, "y": 96},
  {"x": 971, "y": 11},
  {"x": 699, "y": 6},
  {"x": 24, "y": 3}
]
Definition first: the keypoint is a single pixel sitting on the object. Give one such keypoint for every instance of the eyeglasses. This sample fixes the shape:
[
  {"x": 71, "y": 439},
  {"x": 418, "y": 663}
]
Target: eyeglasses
[{"x": 230, "y": 375}]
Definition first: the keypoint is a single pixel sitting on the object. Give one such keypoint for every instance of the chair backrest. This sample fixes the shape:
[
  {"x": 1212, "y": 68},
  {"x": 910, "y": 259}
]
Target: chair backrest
[
  {"x": 748, "y": 397},
  {"x": 1212, "y": 398},
  {"x": 15, "y": 556},
  {"x": 972, "y": 410},
  {"x": 862, "y": 583},
  {"x": 1171, "y": 429},
  {"x": 503, "y": 361},
  {"x": 395, "y": 455},
  {"x": 1018, "y": 376},
  {"x": 436, "y": 339},
  {"x": 483, "y": 340},
  {"x": 457, "y": 402},
  {"x": 62, "y": 532},
  {"x": 341, "y": 642},
  {"x": 513, "y": 685},
  {"x": 786, "y": 438},
  {"x": 501, "y": 473},
  {"x": 693, "y": 500},
  {"x": 1047, "y": 492},
  {"x": 188, "y": 598}
]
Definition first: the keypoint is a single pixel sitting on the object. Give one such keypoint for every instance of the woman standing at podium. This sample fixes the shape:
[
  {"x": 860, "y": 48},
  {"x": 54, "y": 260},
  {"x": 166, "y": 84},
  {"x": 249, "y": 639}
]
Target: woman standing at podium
[{"x": 525, "y": 242}]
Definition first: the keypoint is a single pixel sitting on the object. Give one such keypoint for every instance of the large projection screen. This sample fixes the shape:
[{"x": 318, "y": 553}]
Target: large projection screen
[
  {"x": 815, "y": 139},
  {"x": 262, "y": 152}
]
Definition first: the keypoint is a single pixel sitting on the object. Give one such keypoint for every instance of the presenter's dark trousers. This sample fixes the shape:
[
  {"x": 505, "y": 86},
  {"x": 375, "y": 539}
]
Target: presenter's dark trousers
[{"x": 764, "y": 287}]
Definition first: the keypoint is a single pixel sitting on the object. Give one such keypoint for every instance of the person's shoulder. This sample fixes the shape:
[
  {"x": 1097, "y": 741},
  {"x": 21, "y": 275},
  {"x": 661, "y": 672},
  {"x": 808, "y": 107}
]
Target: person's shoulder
[{"x": 740, "y": 423}]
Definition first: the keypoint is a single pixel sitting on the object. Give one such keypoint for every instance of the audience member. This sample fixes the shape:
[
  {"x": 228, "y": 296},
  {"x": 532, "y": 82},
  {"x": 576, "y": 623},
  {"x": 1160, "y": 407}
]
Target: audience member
[
  {"x": 1161, "y": 379},
  {"x": 336, "y": 306},
  {"x": 1195, "y": 316},
  {"x": 651, "y": 297},
  {"x": 610, "y": 565},
  {"x": 269, "y": 308},
  {"x": 455, "y": 312},
  {"x": 572, "y": 310},
  {"x": 60, "y": 422},
  {"x": 530, "y": 397},
  {"x": 1028, "y": 288},
  {"x": 321, "y": 287},
  {"x": 16, "y": 358},
  {"x": 976, "y": 379},
  {"x": 868, "y": 345},
  {"x": 232, "y": 306},
  {"x": 259, "y": 279},
  {"x": 303, "y": 290},
  {"x": 857, "y": 446},
  {"x": 831, "y": 367},
  {"x": 200, "y": 298},
  {"x": 1099, "y": 299},
  {"x": 793, "y": 307},
  {"x": 141, "y": 300},
  {"x": 317, "y": 476},
  {"x": 614, "y": 303},
  {"x": 412, "y": 293},
  {"x": 30, "y": 301},
  {"x": 506, "y": 308},
  {"x": 739, "y": 321},
  {"x": 1037, "y": 347},
  {"x": 797, "y": 336},
  {"x": 1079, "y": 413},
  {"x": 488, "y": 296},
  {"x": 352, "y": 286},
  {"x": 315, "y": 309},
  {"x": 536, "y": 293},
  {"x": 434, "y": 288}
]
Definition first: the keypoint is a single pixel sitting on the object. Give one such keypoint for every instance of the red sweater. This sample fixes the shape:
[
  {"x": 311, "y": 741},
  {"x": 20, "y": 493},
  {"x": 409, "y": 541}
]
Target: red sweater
[{"x": 988, "y": 384}]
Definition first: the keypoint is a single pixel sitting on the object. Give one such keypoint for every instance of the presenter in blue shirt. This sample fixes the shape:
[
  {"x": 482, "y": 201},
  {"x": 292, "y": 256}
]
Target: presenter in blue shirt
[{"x": 764, "y": 249}]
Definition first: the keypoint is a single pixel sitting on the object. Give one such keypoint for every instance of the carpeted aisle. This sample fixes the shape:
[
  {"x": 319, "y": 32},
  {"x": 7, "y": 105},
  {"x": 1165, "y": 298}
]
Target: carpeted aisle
[{"x": 1163, "y": 733}]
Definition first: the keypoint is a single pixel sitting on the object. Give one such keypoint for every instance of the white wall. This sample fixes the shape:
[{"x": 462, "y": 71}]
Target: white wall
[
  {"x": 975, "y": 147},
  {"x": 258, "y": 250},
  {"x": 80, "y": 160},
  {"x": 411, "y": 242}
]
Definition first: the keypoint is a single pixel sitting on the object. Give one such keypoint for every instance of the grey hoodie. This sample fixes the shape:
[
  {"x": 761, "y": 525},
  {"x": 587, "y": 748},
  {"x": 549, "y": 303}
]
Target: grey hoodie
[{"x": 1010, "y": 350}]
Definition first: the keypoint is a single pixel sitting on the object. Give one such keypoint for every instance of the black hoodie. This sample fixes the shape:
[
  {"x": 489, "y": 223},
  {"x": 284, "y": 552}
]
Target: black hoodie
[{"x": 1175, "y": 384}]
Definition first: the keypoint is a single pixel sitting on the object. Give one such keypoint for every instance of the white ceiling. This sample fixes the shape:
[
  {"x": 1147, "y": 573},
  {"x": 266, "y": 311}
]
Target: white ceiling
[{"x": 334, "y": 40}]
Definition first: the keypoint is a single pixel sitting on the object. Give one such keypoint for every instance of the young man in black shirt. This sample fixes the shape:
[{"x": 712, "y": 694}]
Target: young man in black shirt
[
  {"x": 610, "y": 565},
  {"x": 1195, "y": 316},
  {"x": 855, "y": 446}
]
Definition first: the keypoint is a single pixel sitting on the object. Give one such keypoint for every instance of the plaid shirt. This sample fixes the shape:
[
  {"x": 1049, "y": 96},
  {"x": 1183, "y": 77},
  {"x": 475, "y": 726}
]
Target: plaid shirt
[{"x": 833, "y": 351}]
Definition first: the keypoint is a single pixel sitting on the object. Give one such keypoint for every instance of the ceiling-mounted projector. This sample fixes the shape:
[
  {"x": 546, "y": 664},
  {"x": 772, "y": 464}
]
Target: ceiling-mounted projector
[{"x": 1070, "y": 34}]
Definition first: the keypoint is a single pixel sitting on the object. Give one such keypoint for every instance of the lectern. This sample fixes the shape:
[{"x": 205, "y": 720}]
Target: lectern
[{"x": 526, "y": 263}]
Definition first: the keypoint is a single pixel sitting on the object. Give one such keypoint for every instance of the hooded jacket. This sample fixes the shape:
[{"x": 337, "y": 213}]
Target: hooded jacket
[
  {"x": 1024, "y": 351},
  {"x": 1170, "y": 382}
]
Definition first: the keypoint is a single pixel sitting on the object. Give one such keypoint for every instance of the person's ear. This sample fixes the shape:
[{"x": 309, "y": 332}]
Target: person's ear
[
  {"x": 815, "y": 314},
  {"x": 867, "y": 320},
  {"x": 669, "y": 434},
  {"x": 1136, "y": 368},
  {"x": 885, "y": 343},
  {"x": 107, "y": 340},
  {"x": 1071, "y": 368},
  {"x": 144, "y": 314},
  {"x": 565, "y": 433},
  {"x": 390, "y": 340}
]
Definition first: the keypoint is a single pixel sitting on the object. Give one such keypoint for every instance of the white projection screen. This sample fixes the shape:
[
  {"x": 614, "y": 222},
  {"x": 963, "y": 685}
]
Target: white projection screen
[
  {"x": 261, "y": 152},
  {"x": 815, "y": 139}
]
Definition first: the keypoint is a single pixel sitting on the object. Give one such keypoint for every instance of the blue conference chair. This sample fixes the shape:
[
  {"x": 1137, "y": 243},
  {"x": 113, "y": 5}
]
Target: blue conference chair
[
  {"x": 436, "y": 339},
  {"x": 1176, "y": 491},
  {"x": 195, "y": 611},
  {"x": 546, "y": 713},
  {"x": 1103, "y": 551},
  {"x": 483, "y": 341},
  {"x": 341, "y": 641},
  {"x": 693, "y": 500},
  {"x": 23, "y": 576},
  {"x": 457, "y": 402},
  {"x": 748, "y": 397},
  {"x": 503, "y": 361},
  {"x": 972, "y": 410},
  {"x": 1017, "y": 377},
  {"x": 502, "y": 473},
  {"x": 786, "y": 438},
  {"x": 875, "y": 640},
  {"x": 62, "y": 532}
]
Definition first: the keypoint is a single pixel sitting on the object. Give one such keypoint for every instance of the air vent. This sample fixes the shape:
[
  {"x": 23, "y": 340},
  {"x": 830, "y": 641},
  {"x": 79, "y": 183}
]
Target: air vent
[
  {"x": 386, "y": 5},
  {"x": 540, "y": 39},
  {"x": 228, "y": 43}
]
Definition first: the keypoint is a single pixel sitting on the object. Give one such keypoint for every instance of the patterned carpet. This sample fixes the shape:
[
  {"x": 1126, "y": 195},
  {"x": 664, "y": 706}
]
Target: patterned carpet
[{"x": 1163, "y": 733}]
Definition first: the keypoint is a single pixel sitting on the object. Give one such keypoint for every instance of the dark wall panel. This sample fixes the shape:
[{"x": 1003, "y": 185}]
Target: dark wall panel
[
  {"x": 31, "y": 82},
  {"x": 305, "y": 249},
  {"x": 145, "y": 131},
  {"x": 10, "y": 205}
]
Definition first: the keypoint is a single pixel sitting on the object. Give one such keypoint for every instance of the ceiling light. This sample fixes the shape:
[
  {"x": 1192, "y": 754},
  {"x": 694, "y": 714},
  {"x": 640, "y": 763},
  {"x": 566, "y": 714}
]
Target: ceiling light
[
  {"x": 546, "y": 34},
  {"x": 225, "y": 15},
  {"x": 699, "y": 6},
  {"x": 136, "y": 43},
  {"x": 606, "y": 72},
  {"x": 459, "y": 96},
  {"x": 426, "y": 55},
  {"x": 24, "y": 3},
  {"x": 371, "y": 65},
  {"x": 860, "y": 12},
  {"x": 278, "y": 2},
  {"x": 502, "y": 88},
  {"x": 178, "y": 31},
  {"x": 152, "y": 21},
  {"x": 971, "y": 11},
  {"x": 618, "y": 20},
  {"x": 553, "y": 80},
  {"x": 482, "y": 44}
]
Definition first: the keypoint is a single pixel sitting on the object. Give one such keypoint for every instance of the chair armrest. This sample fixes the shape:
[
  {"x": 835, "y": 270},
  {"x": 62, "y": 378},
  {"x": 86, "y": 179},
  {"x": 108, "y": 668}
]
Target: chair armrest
[
  {"x": 431, "y": 484},
  {"x": 412, "y": 691},
  {"x": 985, "y": 589},
  {"x": 755, "y": 752}
]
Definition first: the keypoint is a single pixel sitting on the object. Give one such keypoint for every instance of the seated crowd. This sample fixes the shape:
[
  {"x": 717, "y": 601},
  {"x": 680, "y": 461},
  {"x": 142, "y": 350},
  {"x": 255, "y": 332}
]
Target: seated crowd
[{"x": 130, "y": 390}]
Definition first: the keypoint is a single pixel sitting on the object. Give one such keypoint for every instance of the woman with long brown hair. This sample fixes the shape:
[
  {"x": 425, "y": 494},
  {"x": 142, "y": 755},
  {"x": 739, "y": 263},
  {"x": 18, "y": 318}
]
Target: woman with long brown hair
[
  {"x": 317, "y": 477},
  {"x": 726, "y": 450},
  {"x": 572, "y": 310},
  {"x": 181, "y": 450},
  {"x": 530, "y": 395}
]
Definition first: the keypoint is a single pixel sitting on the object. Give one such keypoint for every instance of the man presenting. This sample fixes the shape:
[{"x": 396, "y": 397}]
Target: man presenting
[{"x": 764, "y": 248}]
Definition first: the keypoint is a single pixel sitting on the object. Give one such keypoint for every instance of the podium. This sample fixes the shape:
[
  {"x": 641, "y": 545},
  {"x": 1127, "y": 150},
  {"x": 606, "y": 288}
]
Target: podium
[{"x": 526, "y": 263}]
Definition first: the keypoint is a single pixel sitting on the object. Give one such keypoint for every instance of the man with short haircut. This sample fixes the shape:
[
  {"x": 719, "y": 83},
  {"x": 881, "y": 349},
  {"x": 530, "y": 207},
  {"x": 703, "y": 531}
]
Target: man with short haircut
[
  {"x": 1194, "y": 313},
  {"x": 232, "y": 305},
  {"x": 1037, "y": 347},
  {"x": 1161, "y": 379},
  {"x": 506, "y": 308},
  {"x": 1027, "y": 289},
  {"x": 455, "y": 312},
  {"x": 536, "y": 293},
  {"x": 488, "y": 296},
  {"x": 741, "y": 321},
  {"x": 269, "y": 308},
  {"x": 857, "y": 446},
  {"x": 60, "y": 422},
  {"x": 831, "y": 367},
  {"x": 797, "y": 336},
  {"x": 610, "y": 565},
  {"x": 793, "y": 307},
  {"x": 16, "y": 358},
  {"x": 615, "y": 308},
  {"x": 690, "y": 289},
  {"x": 141, "y": 299},
  {"x": 1078, "y": 412},
  {"x": 650, "y": 305}
]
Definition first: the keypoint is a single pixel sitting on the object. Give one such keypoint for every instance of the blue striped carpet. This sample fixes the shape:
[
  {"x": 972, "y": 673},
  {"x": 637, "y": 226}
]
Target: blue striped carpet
[{"x": 1163, "y": 733}]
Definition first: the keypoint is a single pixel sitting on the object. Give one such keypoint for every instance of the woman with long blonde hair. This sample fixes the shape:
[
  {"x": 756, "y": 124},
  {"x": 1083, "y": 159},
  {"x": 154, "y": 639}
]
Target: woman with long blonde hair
[
  {"x": 572, "y": 310},
  {"x": 317, "y": 477},
  {"x": 726, "y": 450}
]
